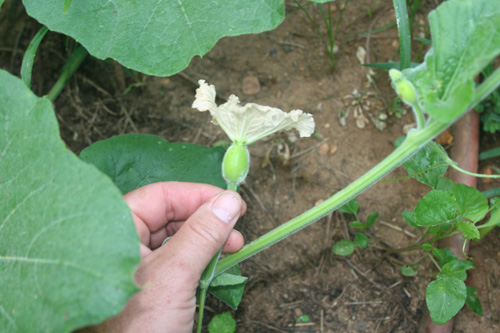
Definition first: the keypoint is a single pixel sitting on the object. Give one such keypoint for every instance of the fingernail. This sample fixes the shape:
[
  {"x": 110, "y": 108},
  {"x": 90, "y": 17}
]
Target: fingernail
[{"x": 227, "y": 207}]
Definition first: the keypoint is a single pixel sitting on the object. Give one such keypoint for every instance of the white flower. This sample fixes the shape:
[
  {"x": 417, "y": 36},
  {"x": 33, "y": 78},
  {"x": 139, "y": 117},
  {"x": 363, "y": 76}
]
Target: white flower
[{"x": 245, "y": 124}]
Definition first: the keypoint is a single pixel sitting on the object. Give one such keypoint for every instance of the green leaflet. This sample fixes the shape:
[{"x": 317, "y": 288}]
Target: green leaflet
[
  {"x": 68, "y": 245},
  {"x": 135, "y": 160},
  {"x": 344, "y": 247},
  {"x": 444, "y": 255},
  {"x": 495, "y": 214},
  {"x": 408, "y": 271},
  {"x": 156, "y": 37},
  {"x": 361, "y": 240},
  {"x": 456, "y": 268},
  {"x": 468, "y": 229},
  {"x": 439, "y": 207},
  {"x": 409, "y": 217},
  {"x": 445, "y": 297},
  {"x": 426, "y": 165},
  {"x": 222, "y": 323},
  {"x": 229, "y": 286},
  {"x": 351, "y": 207},
  {"x": 470, "y": 202},
  {"x": 473, "y": 301},
  {"x": 436, "y": 207}
]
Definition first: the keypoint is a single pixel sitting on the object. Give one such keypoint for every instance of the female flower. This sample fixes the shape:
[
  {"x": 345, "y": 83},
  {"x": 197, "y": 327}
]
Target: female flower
[{"x": 245, "y": 124}]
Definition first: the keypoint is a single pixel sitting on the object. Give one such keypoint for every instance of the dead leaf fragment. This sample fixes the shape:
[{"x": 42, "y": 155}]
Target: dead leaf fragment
[
  {"x": 318, "y": 202},
  {"x": 445, "y": 138},
  {"x": 333, "y": 149},
  {"x": 487, "y": 171},
  {"x": 361, "y": 54}
]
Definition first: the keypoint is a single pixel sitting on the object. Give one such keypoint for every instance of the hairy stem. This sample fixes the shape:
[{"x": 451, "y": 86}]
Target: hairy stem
[{"x": 413, "y": 143}]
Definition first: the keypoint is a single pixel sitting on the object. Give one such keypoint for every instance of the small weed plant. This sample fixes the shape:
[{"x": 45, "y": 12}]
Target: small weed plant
[
  {"x": 446, "y": 210},
  {"x": 60, "y": 213},
  {"x": 329, "y": 38}
]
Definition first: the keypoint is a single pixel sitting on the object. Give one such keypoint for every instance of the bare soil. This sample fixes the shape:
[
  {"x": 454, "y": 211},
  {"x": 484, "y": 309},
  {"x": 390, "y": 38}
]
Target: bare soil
[{"x": 299, "y": 276}]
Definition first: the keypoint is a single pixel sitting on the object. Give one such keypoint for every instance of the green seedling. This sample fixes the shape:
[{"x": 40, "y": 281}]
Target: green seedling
[
  {"x": 329, "y": 39},
  {"x": 223, "y": 323},
  {"x": 446, "y": 210}
]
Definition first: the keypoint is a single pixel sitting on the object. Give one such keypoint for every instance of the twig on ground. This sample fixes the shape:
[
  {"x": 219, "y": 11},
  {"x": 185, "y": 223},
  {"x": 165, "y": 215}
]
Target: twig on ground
[
  {"x": 392, "y": 226},
  {"x": 284, "y": 329},
  {"x": 94, "y": 85},
  {"x": 247, "y": 186},
  {"x": 375, "y": 284},
  {"x": 127, "y": 116}
]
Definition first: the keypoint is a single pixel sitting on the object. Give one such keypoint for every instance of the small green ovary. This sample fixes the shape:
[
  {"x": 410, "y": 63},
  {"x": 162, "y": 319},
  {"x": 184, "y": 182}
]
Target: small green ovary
[{"x": 236, "y": 163}]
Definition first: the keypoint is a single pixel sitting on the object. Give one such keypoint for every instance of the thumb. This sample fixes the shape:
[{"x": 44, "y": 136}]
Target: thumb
[{"x": 205, "y": 232}]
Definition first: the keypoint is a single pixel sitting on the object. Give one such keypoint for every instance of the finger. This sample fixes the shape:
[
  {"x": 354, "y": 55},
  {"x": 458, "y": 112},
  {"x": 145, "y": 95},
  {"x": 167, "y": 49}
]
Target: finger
[
  {"x": 156, "y": 204},
  {"x": 173, "y": 201},
  {"x": 198, "y": 240},
  {"x": 234, "y": 242}
]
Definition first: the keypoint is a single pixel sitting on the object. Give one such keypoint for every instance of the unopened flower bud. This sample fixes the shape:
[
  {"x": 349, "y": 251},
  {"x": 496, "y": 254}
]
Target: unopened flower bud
[{"x": 404, "y": 87}]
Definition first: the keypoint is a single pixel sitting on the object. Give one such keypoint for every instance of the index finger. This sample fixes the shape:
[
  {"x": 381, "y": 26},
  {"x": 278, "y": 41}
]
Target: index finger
[{"x": 159, "y": 203}]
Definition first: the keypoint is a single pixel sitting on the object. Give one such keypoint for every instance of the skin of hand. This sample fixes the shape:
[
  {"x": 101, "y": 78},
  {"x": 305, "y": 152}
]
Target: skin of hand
[{"x": 201, "y": 218}]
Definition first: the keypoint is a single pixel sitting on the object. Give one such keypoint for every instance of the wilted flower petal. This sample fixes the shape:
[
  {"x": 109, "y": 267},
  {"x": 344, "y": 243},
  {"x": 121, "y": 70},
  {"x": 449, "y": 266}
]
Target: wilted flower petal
[{"x": 248, "y": 123}]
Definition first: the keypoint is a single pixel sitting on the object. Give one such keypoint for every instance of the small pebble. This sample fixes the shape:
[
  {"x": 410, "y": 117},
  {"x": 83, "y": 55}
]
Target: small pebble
[
  {"x": 251, "y": 85},
  {"x": 324, "y": 148}
]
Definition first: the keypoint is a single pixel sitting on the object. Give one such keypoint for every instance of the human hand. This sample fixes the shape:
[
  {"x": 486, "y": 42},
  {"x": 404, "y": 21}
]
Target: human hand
[{"x": 201, "y": 218}]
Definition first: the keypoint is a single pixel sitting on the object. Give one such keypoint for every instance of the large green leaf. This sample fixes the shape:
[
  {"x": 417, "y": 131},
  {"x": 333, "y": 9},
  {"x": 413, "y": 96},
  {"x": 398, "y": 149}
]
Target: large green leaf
[
  {"x": 465, "y": 38},
  {"x": 444, "y": 298},
  {"x": 68, "y": 245},
  {"x": 135, "y": 160},
  {"x": 157, "y": 37},
  {"x": 470, "y": 202},
  {"x": 456, "y": 269},
  {"x": 436, "y": 207}
]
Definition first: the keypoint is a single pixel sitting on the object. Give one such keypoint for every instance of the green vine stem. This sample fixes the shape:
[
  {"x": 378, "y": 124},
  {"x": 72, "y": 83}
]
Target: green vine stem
[
  {"x": 205, "y": 281},
  {"x": 209, "y": 274},
  {"x": 454, "y": 165},
  {"x": 69, "y": 68},
  {"x": 413, "y": 143}
]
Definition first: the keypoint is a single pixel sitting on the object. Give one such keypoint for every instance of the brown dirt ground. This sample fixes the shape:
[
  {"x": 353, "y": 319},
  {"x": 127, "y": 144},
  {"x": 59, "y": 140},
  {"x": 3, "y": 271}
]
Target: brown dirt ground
[{"x": 299, "y": 276}]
